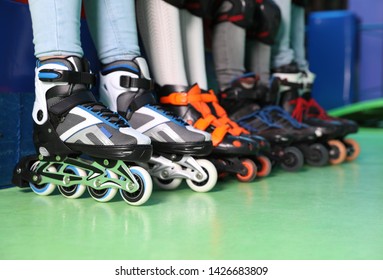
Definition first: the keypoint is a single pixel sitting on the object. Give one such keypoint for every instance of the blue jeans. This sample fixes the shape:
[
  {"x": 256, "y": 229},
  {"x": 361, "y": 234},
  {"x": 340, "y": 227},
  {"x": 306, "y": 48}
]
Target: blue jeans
[
  {"x": 290, "y": 41},
  {"x": 112, "y": 23}
]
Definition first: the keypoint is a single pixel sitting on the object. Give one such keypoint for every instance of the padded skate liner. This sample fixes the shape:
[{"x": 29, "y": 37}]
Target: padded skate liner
[
  {"x": 132, "y": 153},
  {"x": 195, "y": 148}
]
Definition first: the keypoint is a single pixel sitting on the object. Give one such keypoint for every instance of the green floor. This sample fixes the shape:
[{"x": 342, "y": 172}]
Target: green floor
[{"x": 333, "y": 212}]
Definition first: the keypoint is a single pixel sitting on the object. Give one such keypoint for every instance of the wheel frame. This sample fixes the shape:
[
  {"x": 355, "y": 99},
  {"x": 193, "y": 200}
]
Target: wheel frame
[{"x": 168, "y": 184}]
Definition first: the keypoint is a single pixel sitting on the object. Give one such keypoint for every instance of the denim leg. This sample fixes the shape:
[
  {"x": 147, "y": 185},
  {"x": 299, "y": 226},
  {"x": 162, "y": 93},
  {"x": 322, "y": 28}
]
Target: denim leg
[
  {"x": 56, "y": 27},
  {"x": 282, "y": 53},
  {"x": 113, "y": 28},
  {"x": 298, "y": 36}
]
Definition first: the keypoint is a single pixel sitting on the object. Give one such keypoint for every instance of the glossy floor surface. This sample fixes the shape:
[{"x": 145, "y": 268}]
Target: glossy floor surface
[{"x": 332, "y": 212}]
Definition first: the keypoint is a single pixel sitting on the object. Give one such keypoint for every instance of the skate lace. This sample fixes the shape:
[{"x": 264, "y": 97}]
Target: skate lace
[
  {"x": 284, "y": 115},
  {"x": 260, "y": 115},
  {"x": 222, "y": 117},
  {"x": 301, "y": 107},
  {"x": 321, "y": 113},
  {"x": 100, "y": 110}
]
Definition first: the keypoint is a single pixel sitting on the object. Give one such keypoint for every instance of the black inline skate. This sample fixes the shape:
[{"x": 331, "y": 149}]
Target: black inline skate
[
  {"x": 126, "y": 87},
  {"x": 81, "y": 144},
  {"x": 314, "y": 110},
  {"x": 233, "y": 149},
  {"x": 294, "y": 99},
  {"x": 242, "y": 102}
]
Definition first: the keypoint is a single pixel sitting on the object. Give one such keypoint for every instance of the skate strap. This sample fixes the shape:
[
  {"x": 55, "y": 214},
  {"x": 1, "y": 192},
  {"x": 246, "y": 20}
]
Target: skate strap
[
  {"x": 235, "y": 129},
  {"x": 180, "y": 98},
  {"x": 238, "y": 93},
  {"x": 142, "y": 100},
  {"x": 131, "y": 82},
  {"x": 71, "y": 101},
  {"x": 66, "y": 76}
]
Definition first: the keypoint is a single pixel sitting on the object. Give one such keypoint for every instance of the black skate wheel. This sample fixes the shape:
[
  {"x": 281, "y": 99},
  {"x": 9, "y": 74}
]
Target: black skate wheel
[
  {"x": 318, "y": 155},
  {"x": 292, "y": 159}
]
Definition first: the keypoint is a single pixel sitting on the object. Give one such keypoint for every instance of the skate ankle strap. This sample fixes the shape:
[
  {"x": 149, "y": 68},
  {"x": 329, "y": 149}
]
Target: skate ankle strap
[
  {"x": 66, "y": 76},
  {"x": 71, "y": 101},
  {"x": 146, "y": 98},
  {"x": 180, "y": 98},
  {"x": 131, "y": 82}
]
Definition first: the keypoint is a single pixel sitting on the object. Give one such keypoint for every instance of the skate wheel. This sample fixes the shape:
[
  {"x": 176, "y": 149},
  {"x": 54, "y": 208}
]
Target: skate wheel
[
  {"x": 338, "y": 152},
  {"x": 353, "y": 149},
  {"x": 104, "y": 195},
  {"x": 169, "y": 184},
  {"x": 318, "y": 155},
  {"x": 142, "y": 195},
  {"x": 251, "y": 172},
  {"x": 209, "y": 183},
  {"x": 264, "y": 166},
  {"x": 43, "y": 189},
  {"x": 292, "y": 160},
  {"x": 76, "y": 190}
]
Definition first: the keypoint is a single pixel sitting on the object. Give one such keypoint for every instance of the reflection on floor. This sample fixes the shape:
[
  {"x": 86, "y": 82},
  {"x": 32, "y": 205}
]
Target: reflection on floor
[{"x": 332, "y": 212}]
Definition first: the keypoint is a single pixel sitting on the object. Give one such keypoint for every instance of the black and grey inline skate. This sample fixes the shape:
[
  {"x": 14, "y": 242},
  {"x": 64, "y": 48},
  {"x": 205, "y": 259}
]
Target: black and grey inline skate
[
  {"x": 81, "y": 144},
  {"x": 295, "y": 98},
  {"x": 126, "y": 87}
]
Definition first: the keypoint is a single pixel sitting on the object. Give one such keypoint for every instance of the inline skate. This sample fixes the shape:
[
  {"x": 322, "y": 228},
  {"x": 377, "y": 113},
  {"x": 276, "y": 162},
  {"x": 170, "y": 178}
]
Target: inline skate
[
  {"x": 296, "y": 101},
  {"x": 81, "y": 144},
  {"x": 232, "y": 147},
  {"x": 314, "y": 110},
  {"x": 242, "y": 102},
  {"x": 125, "y": 86}
]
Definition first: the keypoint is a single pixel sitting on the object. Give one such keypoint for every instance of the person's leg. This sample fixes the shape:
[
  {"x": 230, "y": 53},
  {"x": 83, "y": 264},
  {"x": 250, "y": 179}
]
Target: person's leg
[
  {"x": 228, "y": 44},
  {"x": 194, "y": 49},
  {"x": 160, "y": 29},
  {"x": 113, "y": 28},
  {"x": 56, "y": 27},
  {"x": 282, "y": 54},
  {"x": 297, "y": 36},
  {"x": 258, "y": 59}
]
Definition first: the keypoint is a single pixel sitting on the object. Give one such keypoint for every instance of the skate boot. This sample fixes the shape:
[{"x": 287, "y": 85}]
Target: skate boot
[
  {"x": 231, "y": 153},
  {"x": 292, "y": 99},
  {"x": 314, "y": 110},
  {"x": 126, "y": 88},
  {"x": 262, "y": 162},
  {"x": 81, "y": 144},
  {"x": 242, "y": 102}
]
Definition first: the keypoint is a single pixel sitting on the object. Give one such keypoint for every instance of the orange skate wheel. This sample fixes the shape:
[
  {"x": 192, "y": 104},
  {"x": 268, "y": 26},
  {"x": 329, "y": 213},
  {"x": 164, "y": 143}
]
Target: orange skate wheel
[
  {"x": 355, "y": 149},
  {"x": 251, "y": 171},
  {"x": 338, "y": 152},
  {"x": 265, "y": 166}
]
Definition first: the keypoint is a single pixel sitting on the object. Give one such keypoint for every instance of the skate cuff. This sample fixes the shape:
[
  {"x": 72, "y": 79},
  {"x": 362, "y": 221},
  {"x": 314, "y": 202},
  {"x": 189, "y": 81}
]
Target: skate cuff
[
  {"x": 141, "y": 83},
  {"x": 70, "y": 77},
  {"x": 142, "y": 100}
]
